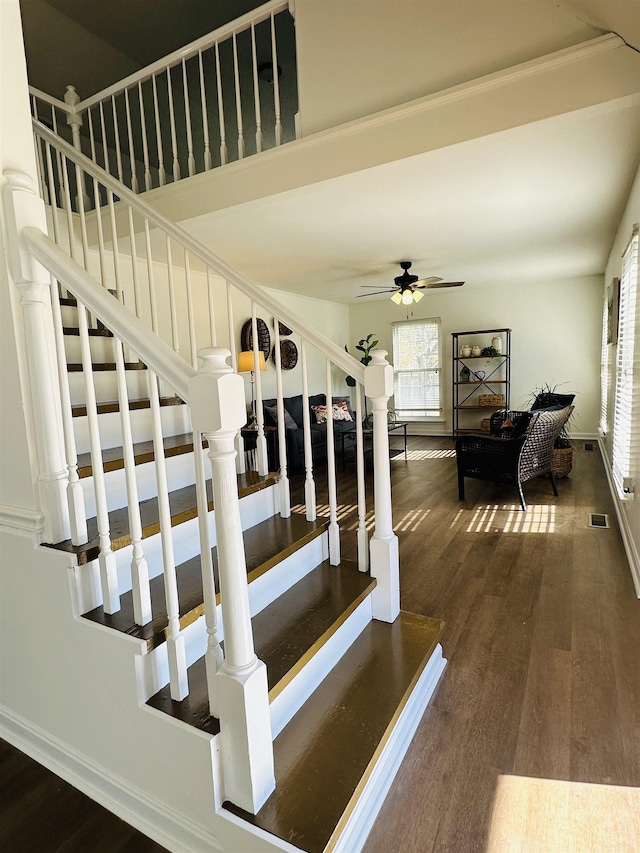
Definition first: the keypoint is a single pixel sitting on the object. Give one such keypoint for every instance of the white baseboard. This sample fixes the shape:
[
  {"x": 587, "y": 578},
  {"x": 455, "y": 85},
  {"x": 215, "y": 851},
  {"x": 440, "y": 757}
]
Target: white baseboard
[
  {"x": 22, "y": 522},
  {"x": 628, "y": 541},
  {"x": 155, "y": 819}
]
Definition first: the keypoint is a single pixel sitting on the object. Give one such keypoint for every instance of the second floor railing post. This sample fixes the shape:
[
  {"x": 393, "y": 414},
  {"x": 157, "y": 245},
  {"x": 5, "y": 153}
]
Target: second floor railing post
[
  {"x": 217, "y": 400},
  {"x": 383, "y": 546},
  {"x": 25, "y": 208}
]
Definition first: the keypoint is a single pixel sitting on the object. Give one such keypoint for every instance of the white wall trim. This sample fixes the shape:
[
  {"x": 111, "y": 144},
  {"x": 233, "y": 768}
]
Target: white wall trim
[
  {"x": 152, "y": 817},
  {"x": 630, "y": 547},
  {"x": 22, "y": 522}
]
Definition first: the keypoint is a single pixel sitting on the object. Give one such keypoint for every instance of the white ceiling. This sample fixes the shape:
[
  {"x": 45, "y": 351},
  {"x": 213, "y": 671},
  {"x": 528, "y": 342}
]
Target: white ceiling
[{"x": 540, "y": 201}]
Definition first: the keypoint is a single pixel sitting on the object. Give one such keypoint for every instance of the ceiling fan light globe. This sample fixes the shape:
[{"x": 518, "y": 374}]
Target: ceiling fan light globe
[
  {"x": 417, "y": 295},
  {"x": 407, "y": 297},
  {"x": 396, "y": 297}
]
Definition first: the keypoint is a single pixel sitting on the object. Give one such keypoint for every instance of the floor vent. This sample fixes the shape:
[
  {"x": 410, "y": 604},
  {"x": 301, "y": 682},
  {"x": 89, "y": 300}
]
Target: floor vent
[
  {"x": 598, "y": 519},
  {"x": 589, "y": 446}
]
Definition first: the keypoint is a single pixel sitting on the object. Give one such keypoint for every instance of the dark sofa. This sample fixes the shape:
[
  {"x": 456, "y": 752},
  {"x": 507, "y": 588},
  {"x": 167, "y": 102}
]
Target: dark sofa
[{"x": 295, "y": 436}]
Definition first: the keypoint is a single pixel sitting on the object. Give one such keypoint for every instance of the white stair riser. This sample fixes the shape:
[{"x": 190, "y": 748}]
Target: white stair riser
[
  {"x": 154, "y": 670},
  {"x": 106, "y": 388},
  {"x": 296, "y": 693},
  {"x": 102, "y": 349},
  {"x": 254, "y": 508},
  {"x": 180, "y": 473},
  {"x": 176, "y": 420}
]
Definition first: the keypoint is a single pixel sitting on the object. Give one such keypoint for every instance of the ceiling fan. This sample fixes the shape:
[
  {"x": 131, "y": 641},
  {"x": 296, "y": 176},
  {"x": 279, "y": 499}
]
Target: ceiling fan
[{"x": 408, "y": 288}]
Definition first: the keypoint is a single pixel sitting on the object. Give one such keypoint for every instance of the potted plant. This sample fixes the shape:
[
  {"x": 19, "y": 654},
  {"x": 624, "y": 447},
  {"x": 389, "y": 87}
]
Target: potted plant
[
  {"x": 545, "y": 397},
  {"x": 365, "y": 345}
]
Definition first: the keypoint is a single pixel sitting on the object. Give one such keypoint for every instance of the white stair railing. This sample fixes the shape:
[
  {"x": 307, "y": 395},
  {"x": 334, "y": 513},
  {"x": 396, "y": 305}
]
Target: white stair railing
[{"x": 217, "y": 99}]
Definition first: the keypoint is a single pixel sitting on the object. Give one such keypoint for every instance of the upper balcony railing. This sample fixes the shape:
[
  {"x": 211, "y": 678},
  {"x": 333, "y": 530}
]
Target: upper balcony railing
[{"x": 225, "y": 96}]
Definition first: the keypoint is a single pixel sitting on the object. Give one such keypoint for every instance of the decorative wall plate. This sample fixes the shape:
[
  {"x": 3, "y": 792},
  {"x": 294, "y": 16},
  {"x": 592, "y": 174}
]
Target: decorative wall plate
[
  {"x": 288, "y": 355},
  {"x": 282, "y": 329},
  {"x": 264, "y": 338}
]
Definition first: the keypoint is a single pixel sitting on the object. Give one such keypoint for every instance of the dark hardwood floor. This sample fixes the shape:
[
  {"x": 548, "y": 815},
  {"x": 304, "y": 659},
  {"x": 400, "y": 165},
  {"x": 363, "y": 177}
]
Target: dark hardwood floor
[{"x": 542, "y": 639}]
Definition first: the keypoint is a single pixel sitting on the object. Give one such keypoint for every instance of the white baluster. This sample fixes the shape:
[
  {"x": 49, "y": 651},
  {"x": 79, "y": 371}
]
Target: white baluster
[
  {"x": 223, "y": 137},
  {"x": 115, "y": 249},
  {"x": 58, "y": 158},
  {"x": 68, "y": 209},
  {"x": 276, "y": 82},
  {"x": 239, "y": 441},
  {"x": 140, "y": 588},
  {"x": 134, "y": 265},
  {"x": 256, "y": 90},
  {"x": 283, "y": 482},
  {"x": 116, "y": 132},
  {"x": 213, "y": 656},
  {"x": 191, "y": 163},
  {"x": 175, "y": 639},
  {"x": 212, "y": 310},
  {"x": 193, "y": 348},
  {"x": 173, "y": 312},
  {"x": 236, "y": 77},
  {"x": 172, "y": 124},
  {"x": 24, "y": 208},
  {"x": 145, "y": 144},
  {"x": 261, "y": 441},
  {"x": 362, "y": 536},
  {"x": 105, "y": 144},
  {"x": 151, "y": 277},
  {"x": 309, "y": 482},
  {"x": 98, "y": 208},
  {"x": 218, "y": 410},
  {"x": 106, "y": 557},
  {"x": 132, "y": 153},
  {"x": 334, "y": 529},
  {"x": 162, "y": 175},
  {"x": 205, "y": 118},
  {"x": 383, "y": 546}
]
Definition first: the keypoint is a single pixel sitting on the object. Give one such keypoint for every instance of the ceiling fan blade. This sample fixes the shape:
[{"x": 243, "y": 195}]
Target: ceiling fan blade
[
  {"x": 376, "y": 285},
  {"x": 430, "y": 279},
  {"x": 439, "y": 284},
  {"x": 375, "y": 294}
]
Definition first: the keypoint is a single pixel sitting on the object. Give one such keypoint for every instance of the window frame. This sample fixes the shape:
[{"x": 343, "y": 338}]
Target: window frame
[{"x": 423, "y": 418}]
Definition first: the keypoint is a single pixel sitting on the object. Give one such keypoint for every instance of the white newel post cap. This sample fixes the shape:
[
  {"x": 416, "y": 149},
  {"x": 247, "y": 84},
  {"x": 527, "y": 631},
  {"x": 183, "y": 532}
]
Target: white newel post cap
[
  {"x": 25, "y": 208},
  {"x": 378, "y": 375},
  {"x": 216, "y": 394}
]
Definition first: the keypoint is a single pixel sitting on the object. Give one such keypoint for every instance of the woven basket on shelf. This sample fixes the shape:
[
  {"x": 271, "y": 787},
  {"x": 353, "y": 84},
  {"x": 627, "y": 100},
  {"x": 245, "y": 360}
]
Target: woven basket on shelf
[
  {"x": 494, "y": 400},
  {"x": 485, "y": 425},
  {"x": 562, "y": 461}
]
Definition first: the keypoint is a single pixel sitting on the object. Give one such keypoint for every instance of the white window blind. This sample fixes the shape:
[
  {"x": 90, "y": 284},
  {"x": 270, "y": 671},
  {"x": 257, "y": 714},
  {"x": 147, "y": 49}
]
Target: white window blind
[
  {"x": 626, "y": 415},
  {"x": 604, "y": 371},
  {"x": 417, "y": 361}
]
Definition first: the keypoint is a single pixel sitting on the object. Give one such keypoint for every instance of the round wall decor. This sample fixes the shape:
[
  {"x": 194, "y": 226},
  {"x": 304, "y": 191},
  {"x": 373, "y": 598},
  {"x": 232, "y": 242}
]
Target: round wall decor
[
  {"x": 282, "y": 329},
  {"x": 288, "y": 355},
  {"x": 264, "y": 338}
]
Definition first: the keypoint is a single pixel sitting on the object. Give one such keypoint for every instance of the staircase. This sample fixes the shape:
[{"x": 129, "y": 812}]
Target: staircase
[{"x": 279, "y": 682}]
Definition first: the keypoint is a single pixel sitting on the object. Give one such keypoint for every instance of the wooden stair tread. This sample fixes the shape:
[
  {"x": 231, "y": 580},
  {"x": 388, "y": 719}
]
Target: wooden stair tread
[
  {"x": 113, "y": 457},
  {"x": 78, "y": 367},
  {"x": 286, "y": 635},
  {"x": 327, "y": 751},
  {"x": 265, "y": 544},
  {"x": 183, "y": 507},
  {"x": 114, "y": 406},
  {"x": 93, "y": 333}
]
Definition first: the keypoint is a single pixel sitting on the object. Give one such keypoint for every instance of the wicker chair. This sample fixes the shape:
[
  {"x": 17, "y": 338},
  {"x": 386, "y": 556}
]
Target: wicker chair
[{"x": 511, "y": 455}]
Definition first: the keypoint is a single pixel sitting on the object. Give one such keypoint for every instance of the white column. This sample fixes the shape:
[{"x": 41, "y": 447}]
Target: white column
[
  {"x": 217, "y": 401},
  {"x": 23, "y": 207},
  {"x": 383, "y": 546}
]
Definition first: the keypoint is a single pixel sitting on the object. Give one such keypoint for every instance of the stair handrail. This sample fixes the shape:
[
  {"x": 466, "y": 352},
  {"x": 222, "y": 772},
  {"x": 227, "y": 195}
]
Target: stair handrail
[
  {"x": 343, "y": 360},
  {"x": 254, "y": 16}
]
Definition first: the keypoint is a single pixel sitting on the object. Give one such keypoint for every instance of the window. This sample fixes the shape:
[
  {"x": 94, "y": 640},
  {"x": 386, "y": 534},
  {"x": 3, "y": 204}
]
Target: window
[
  {"x": 626, "y": 415},
  {"x": 604, "y": 371},
  {"x": 417, "y": 361}
]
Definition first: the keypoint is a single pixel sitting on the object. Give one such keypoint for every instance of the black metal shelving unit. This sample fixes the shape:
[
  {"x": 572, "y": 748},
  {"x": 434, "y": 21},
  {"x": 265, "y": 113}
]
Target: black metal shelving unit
[{"x": 496, "y": 378}]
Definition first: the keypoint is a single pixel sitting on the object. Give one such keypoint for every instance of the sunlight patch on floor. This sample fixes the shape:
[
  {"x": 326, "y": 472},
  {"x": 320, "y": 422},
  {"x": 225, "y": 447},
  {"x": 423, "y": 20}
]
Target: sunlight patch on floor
[
  {"x": 411, "y": 520},
  {"x": 555, "y": 816},
  {"x": 430, "y": 454},
  {"x": 489, "y": 518},
  {"x": 324, "y": 511}
]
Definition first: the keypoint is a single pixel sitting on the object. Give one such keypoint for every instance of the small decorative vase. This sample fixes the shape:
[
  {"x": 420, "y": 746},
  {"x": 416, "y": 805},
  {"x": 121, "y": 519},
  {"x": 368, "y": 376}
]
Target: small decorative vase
[
  {"x": 496, "y": 343},
  {"x": 476, "y": 351},
  {"x": 465, "y": 351},
  {"x": 465, "y": 374}
]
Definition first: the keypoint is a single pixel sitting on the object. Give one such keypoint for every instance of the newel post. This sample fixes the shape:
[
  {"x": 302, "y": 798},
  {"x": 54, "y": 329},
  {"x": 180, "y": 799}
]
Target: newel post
[
  {"x": 216, "y": 395},
  {"x": 383, "y": 546},
  {"x": 23, "y": 207},
  {"x": 74, "y": 119}
]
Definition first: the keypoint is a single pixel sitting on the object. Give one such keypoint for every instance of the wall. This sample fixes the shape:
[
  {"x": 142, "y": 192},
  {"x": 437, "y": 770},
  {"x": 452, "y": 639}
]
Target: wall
[
  {"x": 556, "y": 336},
  {"x": 380, "y": 53},
  {"x": 16, "y": 152},
  {"x": 630, "y": 509}
]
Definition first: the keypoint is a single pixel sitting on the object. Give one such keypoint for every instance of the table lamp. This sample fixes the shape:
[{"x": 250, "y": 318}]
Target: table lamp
[{"x": 247, "y": 364}]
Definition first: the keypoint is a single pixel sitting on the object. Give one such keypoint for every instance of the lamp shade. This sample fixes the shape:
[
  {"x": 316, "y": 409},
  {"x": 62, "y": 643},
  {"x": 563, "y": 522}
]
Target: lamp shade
[
  {"x": 396, "y": 297},
  {"x": 247, "y": 364}
]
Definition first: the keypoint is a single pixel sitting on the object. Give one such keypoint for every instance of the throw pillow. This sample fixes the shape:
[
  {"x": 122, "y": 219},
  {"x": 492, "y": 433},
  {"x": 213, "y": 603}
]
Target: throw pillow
[
  {"x": 339, "y": 412},
  {"x": 289, "y": 422},
  {"x": 320, "y": 413}
]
